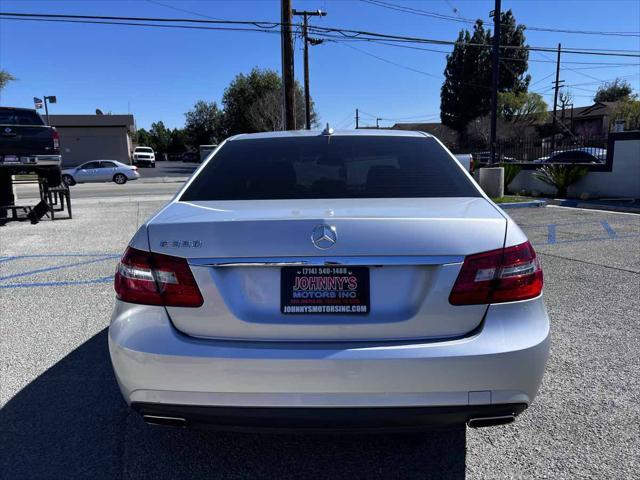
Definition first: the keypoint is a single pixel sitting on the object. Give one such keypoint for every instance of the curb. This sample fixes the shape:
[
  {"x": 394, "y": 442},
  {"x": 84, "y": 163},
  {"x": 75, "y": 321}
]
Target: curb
[
  {"x": 531, "y": 204},
  {"x": 162, "y": 180},
  {"x": 593, "y": 206}
]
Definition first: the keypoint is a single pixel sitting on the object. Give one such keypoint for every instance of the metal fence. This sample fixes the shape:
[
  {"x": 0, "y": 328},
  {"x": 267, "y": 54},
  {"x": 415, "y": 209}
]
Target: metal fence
[
  {"x": 532, "y": 150},
  {"x": 537, "y": 150}
]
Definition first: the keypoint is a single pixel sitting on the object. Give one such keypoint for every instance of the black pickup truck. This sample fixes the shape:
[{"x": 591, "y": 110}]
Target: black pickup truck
[{"x": 27, "y": 145}]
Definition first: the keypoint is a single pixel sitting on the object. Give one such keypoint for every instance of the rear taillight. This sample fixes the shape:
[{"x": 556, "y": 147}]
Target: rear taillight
[
  {"x": 154, "y": 279},
  {"x": 56, "y": 138},
  {"x": 503, "y": 275}
]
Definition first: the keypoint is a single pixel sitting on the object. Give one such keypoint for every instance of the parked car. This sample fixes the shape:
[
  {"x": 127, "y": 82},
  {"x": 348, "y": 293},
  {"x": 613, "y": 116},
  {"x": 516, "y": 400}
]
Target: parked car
[
  {"x": 483, "y": 158},
  {"x": 144, "y": 156},
  {"x": 576, "y": 155},
  {"x": 327, "y": 280},
  {"x": 27, "y": 145},
  {"x": 100, "y": 171}
]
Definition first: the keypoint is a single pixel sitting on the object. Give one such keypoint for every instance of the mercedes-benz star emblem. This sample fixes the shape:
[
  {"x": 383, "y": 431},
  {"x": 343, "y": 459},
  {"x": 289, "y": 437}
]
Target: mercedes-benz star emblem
[{"x": 324, "y": 236}]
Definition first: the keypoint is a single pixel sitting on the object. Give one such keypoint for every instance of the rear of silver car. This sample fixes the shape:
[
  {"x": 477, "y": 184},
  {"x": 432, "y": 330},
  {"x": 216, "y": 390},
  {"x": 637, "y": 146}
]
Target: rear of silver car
[{"x": 283, "y": 302}]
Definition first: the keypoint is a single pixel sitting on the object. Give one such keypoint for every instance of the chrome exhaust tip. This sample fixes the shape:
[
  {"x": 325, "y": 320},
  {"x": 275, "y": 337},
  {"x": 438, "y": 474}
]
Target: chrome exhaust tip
[
  {"x": 479, "y": 422},
  {"x": 165, "y": 421}
]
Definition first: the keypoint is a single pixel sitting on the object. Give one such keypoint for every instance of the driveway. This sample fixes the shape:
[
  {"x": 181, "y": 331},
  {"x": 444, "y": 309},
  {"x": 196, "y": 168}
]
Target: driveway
[{"x": 63, "y": 416}]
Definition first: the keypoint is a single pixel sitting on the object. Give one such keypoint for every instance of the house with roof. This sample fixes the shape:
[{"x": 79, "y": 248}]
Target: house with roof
[
  {"x": 596, "y": 119},
  {"x": 589, "y": 121}
]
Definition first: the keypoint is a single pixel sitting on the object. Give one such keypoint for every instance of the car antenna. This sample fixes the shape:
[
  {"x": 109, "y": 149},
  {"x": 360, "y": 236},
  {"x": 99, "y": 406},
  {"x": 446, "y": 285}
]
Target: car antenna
[{"x": 327, "y": 130}]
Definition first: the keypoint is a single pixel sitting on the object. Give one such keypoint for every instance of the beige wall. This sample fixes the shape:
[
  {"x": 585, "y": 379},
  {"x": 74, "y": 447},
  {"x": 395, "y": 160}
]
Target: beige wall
[{"x": 81, "y": 144}]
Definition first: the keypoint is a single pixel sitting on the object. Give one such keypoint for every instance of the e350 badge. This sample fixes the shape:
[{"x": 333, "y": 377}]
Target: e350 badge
[{"x": 181, "y": 243}]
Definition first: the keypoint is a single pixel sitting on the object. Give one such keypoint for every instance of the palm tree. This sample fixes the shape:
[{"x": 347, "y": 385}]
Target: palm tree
[
  {"x": 560, "y": 176},
  {"x": 5, "y": 77}
]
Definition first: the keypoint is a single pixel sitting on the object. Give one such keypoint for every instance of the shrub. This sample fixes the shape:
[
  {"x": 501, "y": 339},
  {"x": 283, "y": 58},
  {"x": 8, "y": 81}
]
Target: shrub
[
  {"x": 560, "y": 176},
  {"x": 510, "y": 173}
]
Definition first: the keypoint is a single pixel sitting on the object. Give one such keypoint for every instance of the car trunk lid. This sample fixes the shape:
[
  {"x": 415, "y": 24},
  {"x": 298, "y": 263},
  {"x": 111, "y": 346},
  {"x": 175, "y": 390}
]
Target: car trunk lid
[{"x": 412, "y": 248}]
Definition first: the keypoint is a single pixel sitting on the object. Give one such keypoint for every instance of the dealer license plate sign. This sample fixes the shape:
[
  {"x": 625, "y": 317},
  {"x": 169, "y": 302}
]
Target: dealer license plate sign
[{"x": 324, "y": 290}]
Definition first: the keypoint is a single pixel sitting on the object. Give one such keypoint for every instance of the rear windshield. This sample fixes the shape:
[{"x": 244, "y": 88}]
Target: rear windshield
[
  {"x": 9, "y": 116},
  {"x": 144, "y": 149},
  {"x": 330, "y": 167}
]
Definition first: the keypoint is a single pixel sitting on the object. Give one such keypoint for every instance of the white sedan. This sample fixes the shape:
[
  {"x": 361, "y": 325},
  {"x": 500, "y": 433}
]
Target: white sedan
[{"x": 100, "y": 171}]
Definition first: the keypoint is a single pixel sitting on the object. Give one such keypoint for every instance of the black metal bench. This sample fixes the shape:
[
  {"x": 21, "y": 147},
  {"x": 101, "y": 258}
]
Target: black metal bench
[{"x": 56, "y": 198}]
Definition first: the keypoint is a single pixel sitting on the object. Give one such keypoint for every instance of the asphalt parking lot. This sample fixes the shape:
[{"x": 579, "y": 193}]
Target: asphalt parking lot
[{"x": 63, "y": 417}]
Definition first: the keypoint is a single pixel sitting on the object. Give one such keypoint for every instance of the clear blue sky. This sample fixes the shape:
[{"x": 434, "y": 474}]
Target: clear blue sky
[{"x": 158, "y": 74}]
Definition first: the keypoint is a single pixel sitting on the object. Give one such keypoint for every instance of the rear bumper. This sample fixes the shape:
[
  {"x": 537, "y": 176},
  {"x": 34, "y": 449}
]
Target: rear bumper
[
  {"x": 32, "y": 163},
  {"x": 501, "y": 364},
  {"x": 323, "y": 419}
]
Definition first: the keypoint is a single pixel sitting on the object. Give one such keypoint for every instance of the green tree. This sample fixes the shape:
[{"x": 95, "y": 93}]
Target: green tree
[
  {"x": 204, "y": 124},
  {"x": 463, "y": 96},
  {"x": 178, "y": 142},
  {"x": 628, "y": 109},
  {"x": 142, "y": 138},
  {"x": 514, "y": 61},
  {"x": 613, "y": 91},
  {"x": 466, "y": 91},
  {"x": 160, "y": 137},
  {"x": 253, "y": 103},
  {"x": 522, "y": 106},
  {"x": 5, "y": 78}
]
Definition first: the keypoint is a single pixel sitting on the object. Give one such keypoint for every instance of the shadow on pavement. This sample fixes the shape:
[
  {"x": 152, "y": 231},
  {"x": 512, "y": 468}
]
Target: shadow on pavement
[
  {"x": 71, "y": 422},
  {"x": 170, "y": 169}
]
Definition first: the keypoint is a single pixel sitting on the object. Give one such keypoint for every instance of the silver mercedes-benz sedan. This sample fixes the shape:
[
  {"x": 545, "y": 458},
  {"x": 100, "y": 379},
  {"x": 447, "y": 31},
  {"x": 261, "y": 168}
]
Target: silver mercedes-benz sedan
[{"x": 319, "y": 280}]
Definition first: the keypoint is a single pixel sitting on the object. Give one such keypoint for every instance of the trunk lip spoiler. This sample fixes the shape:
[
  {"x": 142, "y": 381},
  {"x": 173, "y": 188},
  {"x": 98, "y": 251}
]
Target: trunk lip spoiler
[{"x": 325, "y": 261}]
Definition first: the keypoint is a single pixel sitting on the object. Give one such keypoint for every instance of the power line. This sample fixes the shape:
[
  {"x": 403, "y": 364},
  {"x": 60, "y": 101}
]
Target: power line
[
  {"x": 576, "y": 71},
  {"x": 397, "y": 38},
  {"x": 454, "y": 8},
  {"x": 257, "y": 23},
  {"x": 320, "y": 31},
  {"x": 184, "y": 10},
  {"x": 503, "y": 59},
  {"x": 460, "y": 19},
  {"x": 144, "y": 24},
  {"x": 391, "y": 62},
  {"x": 542, "y": 79}
]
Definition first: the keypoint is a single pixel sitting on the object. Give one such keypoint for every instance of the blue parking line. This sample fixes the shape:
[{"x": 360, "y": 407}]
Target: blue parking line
[
  {"x": 584, "y": 222},
  {"x": 58, "y": 284},
  {"x": 610, "y": 231},
  {"x": 58, "y": 267},
  {"x": 551, "y": 234},
  {"x": 598, "y": 239}
]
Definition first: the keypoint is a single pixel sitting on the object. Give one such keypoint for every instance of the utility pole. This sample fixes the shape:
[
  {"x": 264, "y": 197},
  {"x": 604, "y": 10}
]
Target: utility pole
[
  {"x": 288, "y": 85},
  {"x": 555, "y": 100},
  {"x": 495, "y": 79},
  {"x": 46, "y": 110},
  {"x": 357, "y": 119},
  {"x": 305, "y": 15}
]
